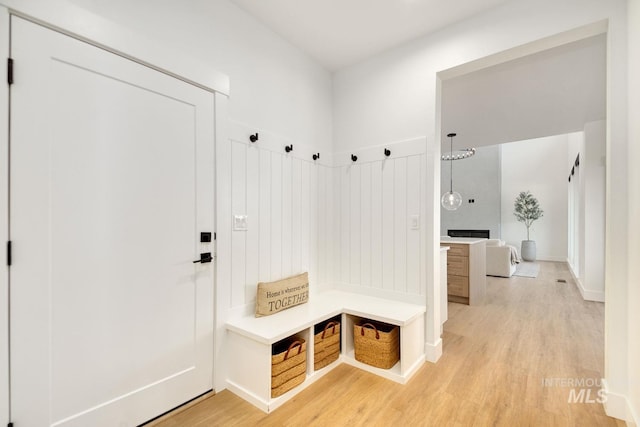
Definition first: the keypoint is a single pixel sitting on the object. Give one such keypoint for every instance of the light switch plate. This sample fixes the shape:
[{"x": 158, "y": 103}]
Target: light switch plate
[
  {"x": 239, "y": 223},
  {"x": 415, "y": 222}
]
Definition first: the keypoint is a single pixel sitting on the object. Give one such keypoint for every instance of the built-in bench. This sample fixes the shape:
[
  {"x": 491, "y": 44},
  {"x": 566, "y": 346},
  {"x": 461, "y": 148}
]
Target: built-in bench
[{"x": 250, "y": 339}]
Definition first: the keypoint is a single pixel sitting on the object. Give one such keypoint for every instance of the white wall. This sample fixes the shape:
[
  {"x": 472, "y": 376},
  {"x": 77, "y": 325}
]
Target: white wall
[
  {"x": 565, "y": 89},
  {"x": 592, "y": 168},
  {"x": 395, "y": 96},
  {"x": 576, "y": 186},
  {"x": 275, "y": 87},
  {"x": 476, "y": 178},
  {"x": 538, "y": 166},
  {"x": 633, "y": 336}
]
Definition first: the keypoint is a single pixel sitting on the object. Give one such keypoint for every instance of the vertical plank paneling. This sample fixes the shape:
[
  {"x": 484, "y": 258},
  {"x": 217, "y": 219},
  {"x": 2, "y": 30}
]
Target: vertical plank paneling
[
  {"x": 286, "y": 216},
  {"x": 265, "y": 216},
  {"x": 313, "y": 222},
  {"x": 388, "y": 224},
  {"x": 276, "y": 216},
  {"x": 296, "y": 216},
  {"x": 354, "y": 224},
  {"x": 376, "y": 223},
  {"x": 336, "y": 232},
  {"x": 345, "y": 221},
  {"x": 329, "y": 230},
  {"x": 400, "y": 225},
  {"x": 423, "y": 227},
  {"x": 413, "y": 235},
  {"x": 322, "y": 225},
  {"x": 238, "y": 207},
  {"x": 348, "y": 224},
  {"x": 253, "y": 221},
  {"x": 305, "y": 223},
  {"x": 365, "y": 224}
]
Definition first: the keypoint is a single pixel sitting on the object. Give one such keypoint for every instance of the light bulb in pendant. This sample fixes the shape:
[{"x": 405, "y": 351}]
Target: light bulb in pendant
[{"x": 451, "y": 200}]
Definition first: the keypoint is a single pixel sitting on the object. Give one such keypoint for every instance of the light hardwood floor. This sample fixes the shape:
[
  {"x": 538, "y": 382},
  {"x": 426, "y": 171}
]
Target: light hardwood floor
[{"x": 492, "y": 371}]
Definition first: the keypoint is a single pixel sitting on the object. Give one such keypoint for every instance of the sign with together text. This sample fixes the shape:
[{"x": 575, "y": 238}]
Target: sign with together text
[{"x": 273, "y": 297}]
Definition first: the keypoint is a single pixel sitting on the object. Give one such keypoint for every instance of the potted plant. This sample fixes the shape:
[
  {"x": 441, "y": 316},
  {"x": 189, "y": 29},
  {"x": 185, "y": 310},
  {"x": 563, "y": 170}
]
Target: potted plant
[{"x": 527, "y": 209}]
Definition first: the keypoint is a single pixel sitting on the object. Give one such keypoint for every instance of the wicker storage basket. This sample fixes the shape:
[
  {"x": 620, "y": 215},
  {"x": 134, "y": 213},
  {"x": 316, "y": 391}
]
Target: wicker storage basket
[
  {"x": 288, "y": 365},
  {"x": 326, "y": 345},
  {"x": 376, "y": 344}
]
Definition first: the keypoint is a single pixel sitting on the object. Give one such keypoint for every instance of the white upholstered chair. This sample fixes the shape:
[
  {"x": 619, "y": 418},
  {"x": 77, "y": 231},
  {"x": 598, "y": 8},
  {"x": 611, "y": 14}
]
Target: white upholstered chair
[{"x": 500, "y": 261}]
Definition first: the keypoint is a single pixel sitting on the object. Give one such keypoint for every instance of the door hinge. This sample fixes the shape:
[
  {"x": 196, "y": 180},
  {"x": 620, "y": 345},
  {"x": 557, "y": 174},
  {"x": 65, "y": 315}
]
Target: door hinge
[
  {"x": 9, "y": 252},
  {"x": 10, "y": 425},
  {"x": 214, "y": 236},
  {"x": 10, "y": 71}
]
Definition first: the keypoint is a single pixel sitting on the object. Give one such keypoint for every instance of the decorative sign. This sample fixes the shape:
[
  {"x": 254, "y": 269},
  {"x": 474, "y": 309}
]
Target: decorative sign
[{"x": 273, "y": 297}]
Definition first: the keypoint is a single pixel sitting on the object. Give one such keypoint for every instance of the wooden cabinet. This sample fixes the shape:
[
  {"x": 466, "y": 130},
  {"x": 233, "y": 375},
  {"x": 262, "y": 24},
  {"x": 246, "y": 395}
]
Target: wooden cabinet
[
  {"x": 466, "y": 270},
  {"x": 458, "y": 285}
]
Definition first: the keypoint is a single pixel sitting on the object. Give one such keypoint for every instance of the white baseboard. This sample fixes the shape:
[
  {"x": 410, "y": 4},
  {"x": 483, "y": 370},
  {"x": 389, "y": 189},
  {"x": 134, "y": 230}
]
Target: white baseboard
[
  {"x": 551, "y": 258},
  {"x": 587, "y": 295},
  {"x": 433, "y": 351},
  {"x": 618, "y": 406}
]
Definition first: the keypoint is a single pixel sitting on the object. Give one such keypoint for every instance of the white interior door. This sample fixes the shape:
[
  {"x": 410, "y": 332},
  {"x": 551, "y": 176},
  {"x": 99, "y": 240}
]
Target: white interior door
[{"x": 112, "y": 169}]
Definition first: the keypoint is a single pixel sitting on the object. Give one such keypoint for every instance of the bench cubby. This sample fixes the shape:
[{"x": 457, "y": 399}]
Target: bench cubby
[
  {"x": 250, "y": 340},
  {"x": 327, "y": 342}
]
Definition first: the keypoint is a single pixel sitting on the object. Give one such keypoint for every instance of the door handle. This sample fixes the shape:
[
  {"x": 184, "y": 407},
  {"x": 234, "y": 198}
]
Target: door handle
[{"x": 205, "y": 257}]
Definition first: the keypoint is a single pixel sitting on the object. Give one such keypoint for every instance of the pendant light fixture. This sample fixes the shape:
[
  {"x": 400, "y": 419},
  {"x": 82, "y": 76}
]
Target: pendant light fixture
[{"x": 451, "y": 200}]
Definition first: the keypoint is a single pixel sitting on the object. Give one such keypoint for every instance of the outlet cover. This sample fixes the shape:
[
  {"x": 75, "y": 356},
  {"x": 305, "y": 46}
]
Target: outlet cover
[{"x": 239, "y": 223}]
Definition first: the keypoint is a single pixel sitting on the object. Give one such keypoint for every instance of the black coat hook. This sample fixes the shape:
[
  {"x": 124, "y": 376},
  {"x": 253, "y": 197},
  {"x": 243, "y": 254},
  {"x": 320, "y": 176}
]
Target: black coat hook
[
  {"x": 253, "y": 138},
  {"x": 316, "y": 156},
  {"x": 288, "y": 148},
  {"x": 387, "y": 152},
  {"x": 354, "y": 158}
]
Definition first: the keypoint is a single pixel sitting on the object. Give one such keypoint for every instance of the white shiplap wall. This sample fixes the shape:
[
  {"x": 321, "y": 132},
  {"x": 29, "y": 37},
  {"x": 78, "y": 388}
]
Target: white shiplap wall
[
  {"x": 286, "y": 200},
  {"x": 347, "y": 225},
  {"x": 378, "y": 251}
]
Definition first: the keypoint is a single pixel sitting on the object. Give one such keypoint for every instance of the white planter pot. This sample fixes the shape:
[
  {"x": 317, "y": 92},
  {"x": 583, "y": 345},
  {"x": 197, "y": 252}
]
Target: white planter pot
[{"x": 528, "y": 250}]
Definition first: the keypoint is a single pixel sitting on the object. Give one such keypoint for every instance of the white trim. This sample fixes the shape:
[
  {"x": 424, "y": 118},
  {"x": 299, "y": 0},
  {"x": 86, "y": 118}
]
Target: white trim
[
  {"x": 275, "y": 403},
  {"x": 270, "y": 141},
  {"x": 4, "y": 221},
  {"x": 433, "y": 352},
  {"x": 618, "y": 406},
  {"x": 565, "y": 37},
  {"x": 404, "y": 148},
  {"x": 222, "y": 228},
  {"x": 552, "y": 258},
  {"x": 587, "y": 295},
  {"x": 117, "y": 40}
]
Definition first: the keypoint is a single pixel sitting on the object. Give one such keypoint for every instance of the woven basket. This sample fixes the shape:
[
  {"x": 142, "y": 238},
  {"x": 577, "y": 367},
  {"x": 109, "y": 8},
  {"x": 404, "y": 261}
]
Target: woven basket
[
  {"x": 377, "y": 344},
  {"x": 280, "y": 390},
  {"x": 326, "y": 345},
  {"x": 288, "y": 365}
]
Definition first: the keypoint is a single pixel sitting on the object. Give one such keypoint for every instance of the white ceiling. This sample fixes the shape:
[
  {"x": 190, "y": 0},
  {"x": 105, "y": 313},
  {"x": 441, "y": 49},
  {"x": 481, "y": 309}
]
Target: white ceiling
[
  {"x": 552, "y": 92},
  {"x": 339, "y": 33}
]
